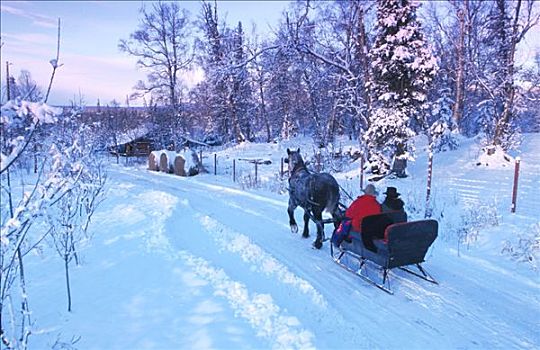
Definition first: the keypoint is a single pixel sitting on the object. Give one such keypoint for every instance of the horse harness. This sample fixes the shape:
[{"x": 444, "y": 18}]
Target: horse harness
[{"x": 295, "y": 172}]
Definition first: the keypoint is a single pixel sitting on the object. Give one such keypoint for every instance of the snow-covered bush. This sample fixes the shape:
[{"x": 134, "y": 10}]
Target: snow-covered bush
[
  {"x": 525, "y": 248},
  {"x": 19, "y": 212},
  {"x": 473, "y": 219},
  {"x": 248, "y": 182},
  {"x": 63, "y": 180},
  {"x": 328, "y": 159},
  {"x": 70, "y": 218}
]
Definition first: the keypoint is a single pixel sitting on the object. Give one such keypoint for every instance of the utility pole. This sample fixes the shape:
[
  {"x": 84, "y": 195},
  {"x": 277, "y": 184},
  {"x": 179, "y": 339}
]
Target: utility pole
[{"x": 7, "y": 81}]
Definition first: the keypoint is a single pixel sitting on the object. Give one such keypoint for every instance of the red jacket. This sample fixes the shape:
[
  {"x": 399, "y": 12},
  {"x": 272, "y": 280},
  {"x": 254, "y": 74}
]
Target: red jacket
[{"x": 363, "y": 206}]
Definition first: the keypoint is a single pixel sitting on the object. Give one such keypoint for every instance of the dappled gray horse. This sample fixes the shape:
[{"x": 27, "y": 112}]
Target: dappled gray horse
[{"x": 313, "y": 192}]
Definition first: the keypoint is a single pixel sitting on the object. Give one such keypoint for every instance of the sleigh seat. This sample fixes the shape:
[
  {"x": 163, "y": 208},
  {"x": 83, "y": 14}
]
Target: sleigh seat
[{"x": 388, "y": 242}]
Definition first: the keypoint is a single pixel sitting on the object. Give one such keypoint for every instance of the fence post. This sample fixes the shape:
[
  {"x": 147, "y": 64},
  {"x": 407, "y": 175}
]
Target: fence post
[
  {"x": 430, "y": 173},
  {"x": 215, "y": 164},
  {"x": 234, "y": 170},
  {"x": 35, "y": 158},
  {"x": 256, "y": 172},
  {"x": 514, "y": 192},
  {"x": 361, "y": 170}
]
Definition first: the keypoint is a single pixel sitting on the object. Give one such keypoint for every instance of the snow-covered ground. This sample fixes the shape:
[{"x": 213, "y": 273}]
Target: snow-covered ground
[{"x": 208, "y": 263}]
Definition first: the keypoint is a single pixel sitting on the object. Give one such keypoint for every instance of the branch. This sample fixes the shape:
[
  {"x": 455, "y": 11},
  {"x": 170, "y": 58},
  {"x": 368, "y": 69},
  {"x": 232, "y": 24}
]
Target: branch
[
  {"x": 12, "y": 160},
  {"x": 54, "y": 63},
  {"x": 328, "y": 61},
  {"x": 255, "y": 55}
]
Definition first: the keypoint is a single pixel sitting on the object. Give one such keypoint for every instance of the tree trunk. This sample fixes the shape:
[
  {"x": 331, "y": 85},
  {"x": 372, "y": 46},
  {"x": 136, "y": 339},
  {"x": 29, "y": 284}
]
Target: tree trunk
[
  {"x": 265, "y": 115},
  {"x": 25, "y": 310},
  {"x": 68, "y": 288},
  {"x": 316, "y": 117},
  {"x": 509, "y": 89},
  {"x": 457, "y": 110},
  {"x": 362, "y": 57}
]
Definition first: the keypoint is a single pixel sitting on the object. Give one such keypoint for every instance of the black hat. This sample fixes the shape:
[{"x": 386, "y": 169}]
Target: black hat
[{"x": 392, "y": 192}]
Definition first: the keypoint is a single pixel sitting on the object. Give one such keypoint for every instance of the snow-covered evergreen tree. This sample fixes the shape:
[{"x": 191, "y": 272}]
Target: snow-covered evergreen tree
[
  {"x": 239, "y": 90},
  {"x": 228, "y": 93},
  {"x": 444, "y": 130},
  {"x": 212, "y": 58},
  {"x": 403, "y": 68}
]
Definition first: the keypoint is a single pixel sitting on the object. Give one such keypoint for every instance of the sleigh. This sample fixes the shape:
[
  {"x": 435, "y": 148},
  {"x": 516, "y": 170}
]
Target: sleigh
[{"x": 387, "y": 242}]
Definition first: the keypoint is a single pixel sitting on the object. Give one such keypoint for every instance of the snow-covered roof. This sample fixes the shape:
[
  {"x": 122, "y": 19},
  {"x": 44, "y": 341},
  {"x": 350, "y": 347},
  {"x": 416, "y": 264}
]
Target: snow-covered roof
[{"x": 132, "y": 135}]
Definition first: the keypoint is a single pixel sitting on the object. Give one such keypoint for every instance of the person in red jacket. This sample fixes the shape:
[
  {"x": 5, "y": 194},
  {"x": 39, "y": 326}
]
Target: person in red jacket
[{"x": 363, "y": 206}]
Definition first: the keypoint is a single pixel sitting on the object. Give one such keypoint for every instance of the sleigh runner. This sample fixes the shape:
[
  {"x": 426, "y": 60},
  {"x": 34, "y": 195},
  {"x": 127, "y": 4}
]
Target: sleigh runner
[{"x": 387, "y": 242}]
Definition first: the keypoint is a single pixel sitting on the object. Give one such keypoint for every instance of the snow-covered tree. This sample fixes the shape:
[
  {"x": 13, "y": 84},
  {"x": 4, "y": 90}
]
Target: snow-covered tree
[
  {"x": 19, "y": 121},
  {"x": 56, "y": 203},
  {"x": 508, "y": 22},
  {"x": 162, "y": 45},
  {"x": 239, "y": 89},
  {"x": 227, "y": 90},
  {"x": 24, "y": 88},
  {"x": 336, "y": 43},
  {"x": 212, "y": 58},
  {"x": 530, "y": 97},
  {"x": 259, "y": 80},
  {"x": 443, "y": 132},
  {"x": 403, "y": 68},
  {"x": 70, "y": 218}
]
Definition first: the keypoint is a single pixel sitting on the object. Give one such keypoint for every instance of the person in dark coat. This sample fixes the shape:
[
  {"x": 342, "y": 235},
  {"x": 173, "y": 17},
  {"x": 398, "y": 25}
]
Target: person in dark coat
[{"x": 392, "y": 202}]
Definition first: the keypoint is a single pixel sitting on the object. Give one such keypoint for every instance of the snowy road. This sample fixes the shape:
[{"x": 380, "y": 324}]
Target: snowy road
[{"x": 203, "y": 265}]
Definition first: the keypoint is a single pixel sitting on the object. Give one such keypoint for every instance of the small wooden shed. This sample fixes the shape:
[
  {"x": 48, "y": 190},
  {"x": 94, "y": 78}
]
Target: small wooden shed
[{"x": 141, "y": 146}]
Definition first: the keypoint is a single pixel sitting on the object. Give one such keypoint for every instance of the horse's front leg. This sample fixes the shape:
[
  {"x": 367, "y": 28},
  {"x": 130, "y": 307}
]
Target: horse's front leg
[
  {"x": 292, "y": 222},
  {"x": 320, "y": 230},
  {"x": 305, "y": 234}
]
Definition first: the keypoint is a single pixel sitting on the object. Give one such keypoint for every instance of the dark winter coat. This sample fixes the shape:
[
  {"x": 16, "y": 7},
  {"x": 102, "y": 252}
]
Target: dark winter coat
[
  {"x": 363, "y": 206},
  {"x": 392, "y": 204}
]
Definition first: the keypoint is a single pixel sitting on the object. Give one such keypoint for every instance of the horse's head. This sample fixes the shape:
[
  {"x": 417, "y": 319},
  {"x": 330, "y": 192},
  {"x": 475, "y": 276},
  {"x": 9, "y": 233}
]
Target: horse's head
[{"x": 294, "y": 160}]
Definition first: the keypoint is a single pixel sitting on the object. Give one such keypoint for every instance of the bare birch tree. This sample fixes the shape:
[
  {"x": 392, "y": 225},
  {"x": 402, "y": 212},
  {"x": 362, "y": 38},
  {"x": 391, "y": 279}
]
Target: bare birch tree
[{"x": 162, "y": 46}]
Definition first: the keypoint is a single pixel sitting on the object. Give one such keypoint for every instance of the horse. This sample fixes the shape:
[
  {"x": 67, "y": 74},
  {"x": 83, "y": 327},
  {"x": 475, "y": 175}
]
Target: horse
[{"x": 312, "y": 192}]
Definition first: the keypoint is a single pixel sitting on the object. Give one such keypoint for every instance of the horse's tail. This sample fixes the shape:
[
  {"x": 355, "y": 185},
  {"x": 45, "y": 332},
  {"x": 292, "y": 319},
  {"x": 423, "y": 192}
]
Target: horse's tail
[{"x": 333, "y": 198}]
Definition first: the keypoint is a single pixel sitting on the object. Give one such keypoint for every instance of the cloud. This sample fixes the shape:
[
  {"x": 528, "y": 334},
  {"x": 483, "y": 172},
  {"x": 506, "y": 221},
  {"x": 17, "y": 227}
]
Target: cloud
[
  {"x": 30, "y": 39},
  {"x": 37, "y": 19}
]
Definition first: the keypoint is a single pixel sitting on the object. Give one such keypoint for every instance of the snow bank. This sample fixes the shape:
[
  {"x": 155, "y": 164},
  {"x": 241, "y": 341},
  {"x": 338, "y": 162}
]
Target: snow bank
[{"x": 494, "y": 157}]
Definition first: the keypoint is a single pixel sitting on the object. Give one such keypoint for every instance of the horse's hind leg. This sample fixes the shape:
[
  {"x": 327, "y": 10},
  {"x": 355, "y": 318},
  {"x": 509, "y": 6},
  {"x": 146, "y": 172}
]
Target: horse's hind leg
[
  {"x": 305, "y": 234},
  {"x": 292, "y": 222},
  {"x": 320, "y": 230}
]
